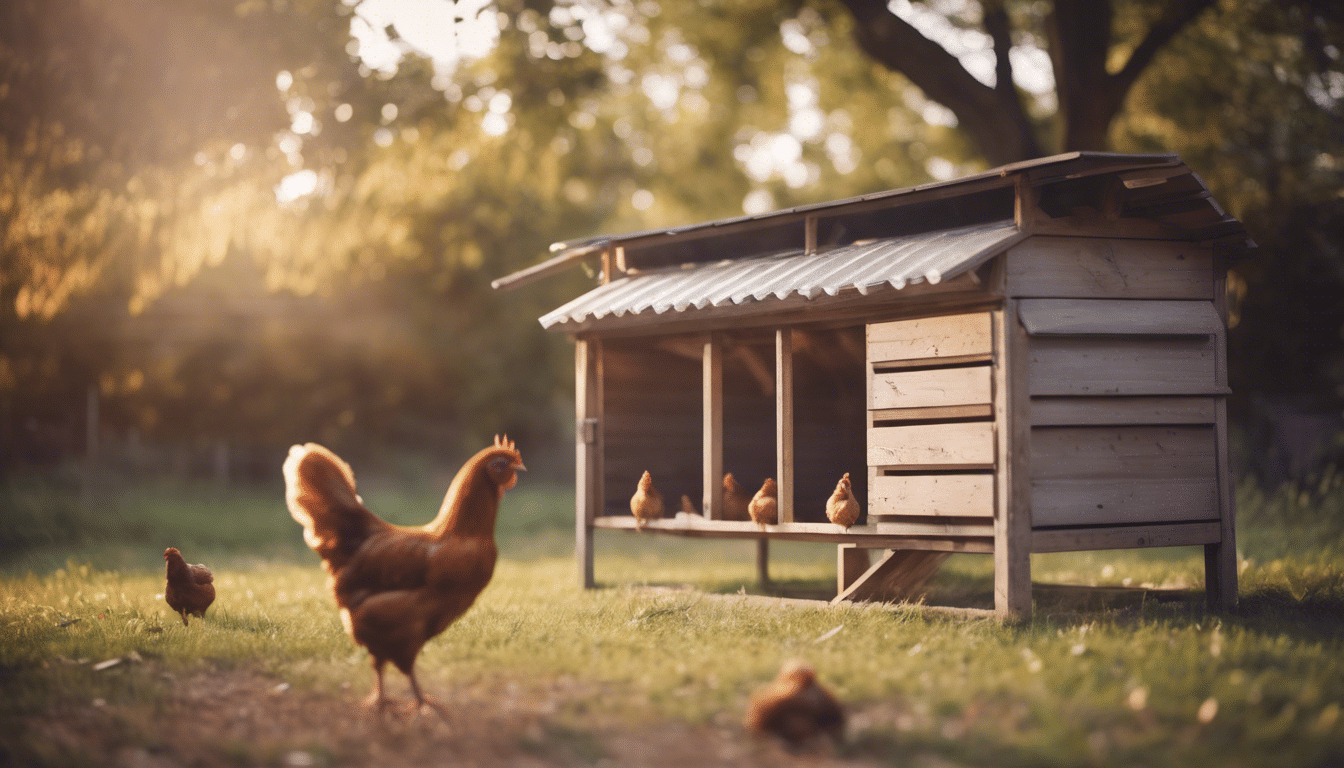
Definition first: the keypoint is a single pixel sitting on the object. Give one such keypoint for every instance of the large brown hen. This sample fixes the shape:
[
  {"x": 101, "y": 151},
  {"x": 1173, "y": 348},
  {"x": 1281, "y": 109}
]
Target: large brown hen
[
  {"x": 764, "y": 506},
  {"x": 647, "y": 503},
  {"x": 397, "y": 586},
  {"x": 842, "y": 508},
  {"x": 191, "y": 588}
]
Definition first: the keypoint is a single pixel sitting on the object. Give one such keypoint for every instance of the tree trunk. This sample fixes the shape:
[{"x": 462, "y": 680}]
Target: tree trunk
[{"x": 994, "y": 119}]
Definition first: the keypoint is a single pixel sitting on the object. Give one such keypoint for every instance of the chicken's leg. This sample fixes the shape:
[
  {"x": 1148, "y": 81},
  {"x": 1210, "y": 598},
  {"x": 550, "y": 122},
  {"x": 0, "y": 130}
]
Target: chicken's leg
[
  {"x": 377, "y": 699},
  {"x": 421, "y": 700}
]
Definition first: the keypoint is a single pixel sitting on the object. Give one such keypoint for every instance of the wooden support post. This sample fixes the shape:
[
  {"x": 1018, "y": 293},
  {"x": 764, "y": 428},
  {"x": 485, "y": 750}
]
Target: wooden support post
[
  {"x": 784, "y": 422},
  {"x": 897, "y": 576},
  {"x": 809, "y": 235},
  {"x": 1220, "y": 560},
  {"x": 851, "y": 561},
  {"x": 1012, "y": 425},
  {"x": 588, "y": 500},
  {"x": 763, "y": 562},
  {"x": 712, "y": 411}
]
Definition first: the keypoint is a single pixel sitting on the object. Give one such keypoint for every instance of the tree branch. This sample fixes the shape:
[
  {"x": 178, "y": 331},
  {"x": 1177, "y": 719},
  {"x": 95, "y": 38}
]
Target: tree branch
[
  {"x": 1158, "y": 36},
  {"x": 992, "y": 118}
]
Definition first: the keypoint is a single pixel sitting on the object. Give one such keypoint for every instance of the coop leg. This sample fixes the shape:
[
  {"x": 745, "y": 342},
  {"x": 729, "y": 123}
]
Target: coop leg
[
  {"x": 898, "y": 576},
  {"x": 1220, "y": 576},
  {"x": 851, "y": 561},
  {"x": 763, "y": 562}
]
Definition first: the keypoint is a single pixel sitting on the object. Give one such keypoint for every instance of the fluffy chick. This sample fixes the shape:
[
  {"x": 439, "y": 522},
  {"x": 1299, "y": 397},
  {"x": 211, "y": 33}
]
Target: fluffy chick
[
  {"x": 647, "y": 503},
  {"x": 796, "y": 708},
  {"x": 764, "y": 506},
  {"x": 191, "y": 588},
  {"x": 841, "y": 508},
  {"x": 735, "y": 499}
]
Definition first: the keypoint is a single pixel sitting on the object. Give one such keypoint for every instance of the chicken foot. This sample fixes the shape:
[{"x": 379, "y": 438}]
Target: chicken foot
[{"x": 379, "y": 702}]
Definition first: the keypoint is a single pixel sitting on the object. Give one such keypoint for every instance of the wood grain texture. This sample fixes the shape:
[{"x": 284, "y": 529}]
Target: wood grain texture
[
  {"x": 1102, "y": 411},
  {"x": 1115, "y": 501},
  {"x": 1123, "y": 453},
  {"x": 1126, "y": 537},
  {"x": 898, "y": 576},
  {"x": 932, "y": 495},
  {"x": 968, "y": 445},
  {"x": 1091, "y": 267},
  {"x": 1122, "y": 366},
  {"x": 948, "y": 336},
  {"x": 1061, "y": 317},
  {"x": 931, "y": 388}
]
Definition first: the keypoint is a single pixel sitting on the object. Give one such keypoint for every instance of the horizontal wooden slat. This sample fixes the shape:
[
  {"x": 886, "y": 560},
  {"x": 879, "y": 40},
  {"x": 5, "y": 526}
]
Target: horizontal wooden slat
[
  {"x": 967, "y": 445},
  {"x": 1093, "y": 267},
  {"x": 1128, "y": 537},
  {"x": 1067, "y": 411},
  {"x": 931, "y": 387},
  {"x": 933, "y": 527},
  {"x": 1132, "y": 454},
  {"x": 932, "y": 495},
  {"x": 1062, "y": 317},
  {"x": 864, "y": 535},
  {"x": 948, "y": 336},
  {"x": 941, "y": 413},
  {"x": 1112, "y": 501},
  {"x": 1122, "y": 366}
]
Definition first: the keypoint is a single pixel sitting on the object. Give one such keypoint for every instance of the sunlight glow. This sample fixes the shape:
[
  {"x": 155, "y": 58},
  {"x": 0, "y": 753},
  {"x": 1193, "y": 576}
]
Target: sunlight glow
[{"x": 295, "y": 186}]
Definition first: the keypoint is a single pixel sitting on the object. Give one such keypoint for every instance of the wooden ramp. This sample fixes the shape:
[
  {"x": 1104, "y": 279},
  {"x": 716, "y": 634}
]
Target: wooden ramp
[{"x": 897, "y": 577}]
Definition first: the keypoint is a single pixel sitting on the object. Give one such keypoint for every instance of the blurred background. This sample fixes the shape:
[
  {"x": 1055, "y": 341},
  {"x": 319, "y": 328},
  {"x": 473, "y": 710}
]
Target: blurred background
[{"x": 231, "y": 225}]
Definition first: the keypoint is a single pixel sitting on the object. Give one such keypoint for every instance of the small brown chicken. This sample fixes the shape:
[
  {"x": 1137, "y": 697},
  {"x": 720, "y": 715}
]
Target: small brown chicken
[
  {"x": 688, "y": 506},
  {"x": 191, "y": 588},
  {"x": 764, "y": 506},
  {"x": 735, "y": 499},
  {"x": 796, "y": 708},
  {"x": 647, "y": 503},
  {"x": 841, "y": 508}
]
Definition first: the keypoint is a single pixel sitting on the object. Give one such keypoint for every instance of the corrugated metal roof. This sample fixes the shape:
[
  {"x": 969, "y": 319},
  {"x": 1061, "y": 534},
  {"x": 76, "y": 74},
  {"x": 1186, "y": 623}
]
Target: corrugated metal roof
[{"x": 896, "y": 261}]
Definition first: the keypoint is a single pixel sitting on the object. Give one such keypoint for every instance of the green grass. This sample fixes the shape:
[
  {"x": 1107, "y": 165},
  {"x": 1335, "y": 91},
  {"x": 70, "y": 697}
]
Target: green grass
[{"x": 1118, "y": 682}]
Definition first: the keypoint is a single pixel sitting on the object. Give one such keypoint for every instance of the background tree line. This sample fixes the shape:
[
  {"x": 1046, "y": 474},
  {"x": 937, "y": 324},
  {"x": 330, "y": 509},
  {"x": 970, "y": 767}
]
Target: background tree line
[{"x": 260, "y": 221}]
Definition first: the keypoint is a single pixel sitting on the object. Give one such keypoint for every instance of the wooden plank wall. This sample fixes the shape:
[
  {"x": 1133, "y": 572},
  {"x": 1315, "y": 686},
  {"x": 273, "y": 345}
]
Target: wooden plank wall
[
  {"x": 931, "y": 447},
  {"x": 1124, "y": 378}
]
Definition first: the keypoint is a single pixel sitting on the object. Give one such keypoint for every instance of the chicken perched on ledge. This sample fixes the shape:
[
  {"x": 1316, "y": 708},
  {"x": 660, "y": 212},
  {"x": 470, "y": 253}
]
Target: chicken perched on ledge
[
  {"x": 397, "y": 586},
  {"x": 841, "y": 507},
  {"x": 647, "y": 503},
  {"x": 191, "y": 588},
  {"x": 764, "y": 506},
  {"x": 735, "y": 499},
  {"x": 796, "y": 708}
]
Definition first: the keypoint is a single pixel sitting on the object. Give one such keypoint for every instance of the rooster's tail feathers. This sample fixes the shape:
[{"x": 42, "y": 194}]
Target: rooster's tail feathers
[{"x": 320, "y": 494}]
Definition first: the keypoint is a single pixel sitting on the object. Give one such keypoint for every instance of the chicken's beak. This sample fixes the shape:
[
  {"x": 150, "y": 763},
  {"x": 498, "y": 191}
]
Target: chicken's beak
[{"x": 519, "y": 467}]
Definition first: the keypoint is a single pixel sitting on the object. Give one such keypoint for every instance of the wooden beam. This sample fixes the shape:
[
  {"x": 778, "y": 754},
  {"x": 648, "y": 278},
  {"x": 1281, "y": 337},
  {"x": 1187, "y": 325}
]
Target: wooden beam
[
  {"x": 851, "y": 561},
  {"x": 1123, "y": 537},
  {"x": 824, "y": 533},
  {"x": 784, "y": 422},
  {"x": 587, "y": 452},
  {"x": 712, "y": 413},
  {"x": 896, "y": 577},
  {"x": 1220, "y": 560},
  {"x": 1012, "y": 426},
  {"x": 763, "y": 562}
]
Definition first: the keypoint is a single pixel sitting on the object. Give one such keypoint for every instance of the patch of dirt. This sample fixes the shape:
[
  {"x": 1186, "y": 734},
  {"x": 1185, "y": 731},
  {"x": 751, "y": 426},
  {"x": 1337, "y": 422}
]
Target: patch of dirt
[{"x": 237, "y": 717}]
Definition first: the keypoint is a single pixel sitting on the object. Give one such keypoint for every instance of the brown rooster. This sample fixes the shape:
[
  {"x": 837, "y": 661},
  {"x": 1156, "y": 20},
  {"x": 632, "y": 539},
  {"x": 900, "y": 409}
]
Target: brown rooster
[
  {"x": 647, "y": 503},
  {"x": 841, "y": 508},
  {"x": 191, "y": 588},
  {"x": 735, "y": 499},
  {"x": 764, "y": 506},
  {"x": 397, "y": 586},
  {"x": 796, "y": 708}
]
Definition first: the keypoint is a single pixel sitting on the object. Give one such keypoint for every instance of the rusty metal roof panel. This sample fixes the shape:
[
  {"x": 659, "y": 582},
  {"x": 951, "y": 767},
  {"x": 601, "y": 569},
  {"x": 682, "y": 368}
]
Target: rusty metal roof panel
[{"x": 896, "y": 261}]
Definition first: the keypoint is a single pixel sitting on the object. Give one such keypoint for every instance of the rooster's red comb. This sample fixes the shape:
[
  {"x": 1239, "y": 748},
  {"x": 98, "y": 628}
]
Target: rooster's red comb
[{"x": 504, "y": 442}]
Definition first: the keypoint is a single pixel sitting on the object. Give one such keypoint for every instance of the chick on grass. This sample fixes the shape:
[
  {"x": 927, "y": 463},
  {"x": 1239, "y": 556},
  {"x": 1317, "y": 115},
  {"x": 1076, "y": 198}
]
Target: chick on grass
[
  {"x": 191, "y": 588},
  {"x": 796, "y": 708},
  {"x": 647, "y": 503}
]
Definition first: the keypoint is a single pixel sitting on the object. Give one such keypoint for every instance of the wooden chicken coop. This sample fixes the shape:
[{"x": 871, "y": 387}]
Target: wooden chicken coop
[{"x": 1030, "y": 359}]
